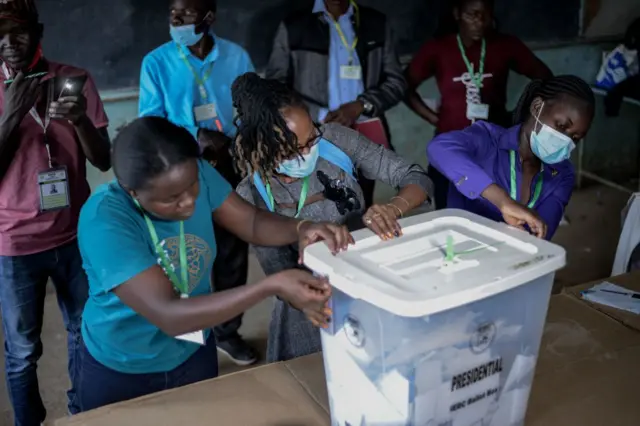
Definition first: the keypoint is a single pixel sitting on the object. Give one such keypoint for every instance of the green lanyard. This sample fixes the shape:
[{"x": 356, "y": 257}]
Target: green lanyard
[
  {"x": 201, "y": 87},
  {"x": 514, "y": 184},
  {"x": 343, "y": 38},
  {"x": 477, "y": 78},
  {"x": 181, "y": 285},
  {"x": 301, "y": 201}
]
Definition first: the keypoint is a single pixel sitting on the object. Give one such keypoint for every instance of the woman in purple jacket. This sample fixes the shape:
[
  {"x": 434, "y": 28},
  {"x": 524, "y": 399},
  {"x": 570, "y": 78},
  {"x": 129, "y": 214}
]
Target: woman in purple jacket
[{"x": 521, "y": 175}]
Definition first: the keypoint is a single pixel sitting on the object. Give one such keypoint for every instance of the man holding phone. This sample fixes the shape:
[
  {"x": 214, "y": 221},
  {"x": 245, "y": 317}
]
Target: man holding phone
[
  {"x": 188, "y": 82},
  {"x": 51, "y": 122}
]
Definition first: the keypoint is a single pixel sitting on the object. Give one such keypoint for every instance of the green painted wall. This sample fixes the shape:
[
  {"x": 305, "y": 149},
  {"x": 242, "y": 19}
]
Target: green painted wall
[{"x": 612, "y": 147}]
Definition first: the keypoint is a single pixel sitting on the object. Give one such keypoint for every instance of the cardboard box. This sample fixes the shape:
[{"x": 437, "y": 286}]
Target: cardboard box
[
  {"x": 586, "y": 375},
  {"x": 587, "y": 371},
  {"x": 630, "y": 281}
]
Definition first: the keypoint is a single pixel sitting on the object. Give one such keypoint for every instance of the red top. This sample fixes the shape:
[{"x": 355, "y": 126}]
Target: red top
[
  {"x": 442, "y": 58},
  {"x": 23, "y": 229}
]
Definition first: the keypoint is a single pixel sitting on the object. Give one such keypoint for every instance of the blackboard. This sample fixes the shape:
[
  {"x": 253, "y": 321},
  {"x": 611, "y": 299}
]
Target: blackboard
[{"x": 110, "y": 37}]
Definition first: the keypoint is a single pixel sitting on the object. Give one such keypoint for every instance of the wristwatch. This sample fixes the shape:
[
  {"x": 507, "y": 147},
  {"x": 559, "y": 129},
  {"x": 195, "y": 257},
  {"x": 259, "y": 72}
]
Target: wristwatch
[{"x": 367, "y": 106}]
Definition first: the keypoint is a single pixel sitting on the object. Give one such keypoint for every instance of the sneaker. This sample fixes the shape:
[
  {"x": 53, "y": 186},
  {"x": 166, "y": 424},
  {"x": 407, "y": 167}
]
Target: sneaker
[{"x": 238, "y": 351}]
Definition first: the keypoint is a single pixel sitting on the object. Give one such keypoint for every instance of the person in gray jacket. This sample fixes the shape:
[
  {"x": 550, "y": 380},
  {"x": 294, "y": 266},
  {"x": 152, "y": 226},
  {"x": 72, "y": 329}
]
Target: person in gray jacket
[
  {"x": 297, "y": 168},
  {"x": 340, "y": 58}
]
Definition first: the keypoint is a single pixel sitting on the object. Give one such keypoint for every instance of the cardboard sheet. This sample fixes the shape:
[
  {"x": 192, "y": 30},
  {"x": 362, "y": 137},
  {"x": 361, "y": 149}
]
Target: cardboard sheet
[
  {"x": 587, "y": 375},
  {"x": 267, "y": 395},
  {"x": 587, "y": 372},
  {"x": 630, "y": 281},
  {"x": 309, "y": 372}
]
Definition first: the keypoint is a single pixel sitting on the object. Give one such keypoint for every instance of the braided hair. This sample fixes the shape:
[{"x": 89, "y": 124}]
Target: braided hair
[
  {"x": 148, "y": 147},
  {"x": 553, "y": 89},
  {"x": 263, "y": 138}
]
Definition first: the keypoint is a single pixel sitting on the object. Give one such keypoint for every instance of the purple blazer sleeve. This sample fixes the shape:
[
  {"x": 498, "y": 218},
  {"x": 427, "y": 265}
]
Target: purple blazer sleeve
[
  {"x": 458, "y": 155},
  {"x": 552, "y": 208}
]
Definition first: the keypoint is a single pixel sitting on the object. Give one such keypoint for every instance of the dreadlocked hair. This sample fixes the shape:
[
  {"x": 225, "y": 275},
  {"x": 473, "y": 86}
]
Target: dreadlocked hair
[
  {"x": 550, "y": 90},
  {"x": 263, "y": 139}
]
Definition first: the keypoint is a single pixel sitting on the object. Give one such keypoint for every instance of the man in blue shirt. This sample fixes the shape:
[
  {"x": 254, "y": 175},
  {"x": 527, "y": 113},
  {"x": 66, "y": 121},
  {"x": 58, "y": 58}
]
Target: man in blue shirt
[
  {"x": 188, "y": 81},
  {"x": 341, "y": 58}
]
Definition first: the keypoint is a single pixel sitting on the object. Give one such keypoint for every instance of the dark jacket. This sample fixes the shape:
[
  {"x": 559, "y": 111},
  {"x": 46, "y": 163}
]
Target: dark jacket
[{"x": 300, "y": 57}]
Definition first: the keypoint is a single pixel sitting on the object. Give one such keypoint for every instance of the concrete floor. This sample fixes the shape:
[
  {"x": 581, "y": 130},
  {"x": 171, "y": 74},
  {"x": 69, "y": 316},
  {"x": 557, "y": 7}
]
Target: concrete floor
[{"x": 590, "y": 241}]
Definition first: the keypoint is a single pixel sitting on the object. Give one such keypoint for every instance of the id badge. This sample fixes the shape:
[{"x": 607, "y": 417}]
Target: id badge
[
  {"x": 205, "y": 112},
  {"x": 54, "y": 189},
  {"x": 350, "y": 72},
  {"x": 193, "y": 337},
  {"x": 477, "y": 111}
]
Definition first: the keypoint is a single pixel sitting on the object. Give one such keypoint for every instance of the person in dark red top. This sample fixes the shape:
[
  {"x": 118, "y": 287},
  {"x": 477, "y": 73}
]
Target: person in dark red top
[
  {"x": 51, "y": 122},
  {"x": 471, "y": 65}
]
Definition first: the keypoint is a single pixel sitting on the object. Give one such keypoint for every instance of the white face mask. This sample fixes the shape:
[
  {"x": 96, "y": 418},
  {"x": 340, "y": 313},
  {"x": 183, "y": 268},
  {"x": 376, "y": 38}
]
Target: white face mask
[
  {"x": 186, "y": 35},
  {"x": 548, "y": 144},
  {"x": 300, "y": 167}
]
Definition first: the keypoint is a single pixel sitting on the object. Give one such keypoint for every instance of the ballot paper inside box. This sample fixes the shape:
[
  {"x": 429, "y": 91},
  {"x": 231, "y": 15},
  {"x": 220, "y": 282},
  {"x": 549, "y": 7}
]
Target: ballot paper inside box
[{"x": 439, "y": 327}]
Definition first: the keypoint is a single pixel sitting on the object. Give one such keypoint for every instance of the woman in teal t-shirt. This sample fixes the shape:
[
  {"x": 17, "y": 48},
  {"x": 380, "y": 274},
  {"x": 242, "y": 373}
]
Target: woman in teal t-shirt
[{"x": 148, "y": 245}]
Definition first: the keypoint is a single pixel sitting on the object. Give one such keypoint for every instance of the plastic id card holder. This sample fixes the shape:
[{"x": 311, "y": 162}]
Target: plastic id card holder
[
  {"x": 205, "y": 112},
  {"x": 477, "y": 111},
  {"x": 350, "y": 72},
  {"x": 53, "y": 187},
  {"x": 193, "y": 337}
]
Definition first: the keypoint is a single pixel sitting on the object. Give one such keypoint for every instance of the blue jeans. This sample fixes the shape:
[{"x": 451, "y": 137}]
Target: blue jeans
[
  {"x": 23, "y": 286},
  {"x": 99, "y": 385}
]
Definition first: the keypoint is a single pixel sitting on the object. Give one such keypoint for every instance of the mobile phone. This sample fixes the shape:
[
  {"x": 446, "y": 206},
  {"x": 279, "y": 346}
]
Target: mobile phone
[{"x": 69, "y": 86}]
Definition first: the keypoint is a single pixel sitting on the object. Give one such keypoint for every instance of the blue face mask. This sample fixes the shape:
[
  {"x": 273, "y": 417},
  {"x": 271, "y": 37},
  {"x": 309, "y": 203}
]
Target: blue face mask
[
  {"x": 549, "y": 145},
  {"x": 185, "y": 35},
  {"x": 300, "y": 167}
]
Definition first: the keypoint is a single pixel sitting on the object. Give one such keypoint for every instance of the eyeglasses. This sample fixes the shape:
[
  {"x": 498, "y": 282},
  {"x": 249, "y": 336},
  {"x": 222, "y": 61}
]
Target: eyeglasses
[{"x": 313, "y": 141}]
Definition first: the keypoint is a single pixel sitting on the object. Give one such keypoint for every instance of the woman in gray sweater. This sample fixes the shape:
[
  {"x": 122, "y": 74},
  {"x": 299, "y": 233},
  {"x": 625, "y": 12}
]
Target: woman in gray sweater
[{"x": 298, "y": 168}]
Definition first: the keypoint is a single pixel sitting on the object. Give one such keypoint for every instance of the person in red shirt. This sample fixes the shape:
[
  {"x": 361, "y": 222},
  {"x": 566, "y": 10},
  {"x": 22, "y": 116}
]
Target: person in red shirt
[
  {"x": 471, "y": 63},
  {"x": 51, "y": 122}
]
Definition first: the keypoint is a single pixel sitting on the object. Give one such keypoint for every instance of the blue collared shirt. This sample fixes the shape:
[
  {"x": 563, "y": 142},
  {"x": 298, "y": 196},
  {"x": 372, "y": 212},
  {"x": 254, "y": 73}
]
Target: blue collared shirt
[
  {"x": 474, "y": 158},
  {"x": 169, "y": 89},
  {"x": 341, "y": 91}
]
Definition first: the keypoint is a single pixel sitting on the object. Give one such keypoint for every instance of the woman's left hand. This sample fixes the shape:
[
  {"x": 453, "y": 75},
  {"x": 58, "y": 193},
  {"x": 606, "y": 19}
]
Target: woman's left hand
[
  {"x": 320, "y": 316},
  {"x": 383, "y": 220},
  {"x": 337, "y": 237}
]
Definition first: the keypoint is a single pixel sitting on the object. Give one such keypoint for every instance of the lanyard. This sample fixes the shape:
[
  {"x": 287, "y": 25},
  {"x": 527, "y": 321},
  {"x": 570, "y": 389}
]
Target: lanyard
[
  {"x": 514, "y": 184},
  {"x": 477, "y": 78},
  {"x": 47, "y": 120},
  {"x": 301, "y": 201},
  {"x": 181, "y": 285},
  {"x": 34, "y": 113},
  {"x": 201, "y": 81},
  {"x": 343, "y": 38}
]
